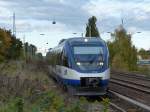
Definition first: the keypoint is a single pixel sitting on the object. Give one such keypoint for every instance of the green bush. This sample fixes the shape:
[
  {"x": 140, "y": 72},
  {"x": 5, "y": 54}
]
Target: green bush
[
  {"x": 46, "y": 102},
  {"x": 106, "y": 103},
  {"x": 13, "y": 105},
  {"x": 19, "y": 104}
]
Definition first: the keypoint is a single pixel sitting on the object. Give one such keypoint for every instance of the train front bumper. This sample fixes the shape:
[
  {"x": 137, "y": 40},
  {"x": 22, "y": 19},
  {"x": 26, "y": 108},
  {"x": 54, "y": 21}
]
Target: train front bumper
[{"x": 87, "y": 91}]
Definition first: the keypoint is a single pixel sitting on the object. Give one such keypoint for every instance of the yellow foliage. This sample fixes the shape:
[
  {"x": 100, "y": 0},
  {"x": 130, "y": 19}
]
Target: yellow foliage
[
  {"x": 5, "y": 41},
  {"x": 118, "y": 62}
]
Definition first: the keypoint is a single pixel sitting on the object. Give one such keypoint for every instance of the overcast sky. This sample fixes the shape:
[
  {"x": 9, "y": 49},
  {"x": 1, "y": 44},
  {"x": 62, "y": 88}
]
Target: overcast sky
[{"x": 34, "y": 17}]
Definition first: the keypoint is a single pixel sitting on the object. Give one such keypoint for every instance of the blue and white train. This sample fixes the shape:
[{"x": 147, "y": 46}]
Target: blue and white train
[{"x": 81, "y": 65}]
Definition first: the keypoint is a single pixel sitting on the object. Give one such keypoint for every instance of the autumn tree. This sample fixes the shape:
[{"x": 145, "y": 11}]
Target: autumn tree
[
  {"x": 10, "y": 47},
  {"x": 15, "y": 50},
  {"x": 123, "y": 54},
  {"x": 91, "y": 28},
  {"x": 5, "y": 42}
]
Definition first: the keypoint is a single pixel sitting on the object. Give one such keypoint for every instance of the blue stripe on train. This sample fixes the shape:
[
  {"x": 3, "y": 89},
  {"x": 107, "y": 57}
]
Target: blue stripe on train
[{"x": 74, "y": 82}]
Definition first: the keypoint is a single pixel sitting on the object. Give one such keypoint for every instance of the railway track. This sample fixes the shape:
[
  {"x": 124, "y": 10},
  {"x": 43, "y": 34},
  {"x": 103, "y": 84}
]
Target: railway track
[
  {"x": 122, "y": 103},
  {"x": 116, "y": 108},
  {"x": 131, "y": 75},
  {"x": 132, "y": 86},
  {"x": 142, "y": 83},
  {"x": 127, "y": 95}
]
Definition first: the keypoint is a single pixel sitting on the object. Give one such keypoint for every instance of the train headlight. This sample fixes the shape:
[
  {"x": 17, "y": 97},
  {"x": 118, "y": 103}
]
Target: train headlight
[
  {"x": 101, "y": 63},
  {"x": 78, "y": 63},
  {"x": 85, "y": 40}
]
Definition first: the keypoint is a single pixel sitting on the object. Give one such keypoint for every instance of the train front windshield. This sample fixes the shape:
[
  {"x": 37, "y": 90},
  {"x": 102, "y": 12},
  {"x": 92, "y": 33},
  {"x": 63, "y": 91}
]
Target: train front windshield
[{"x": 88, "y": 57}]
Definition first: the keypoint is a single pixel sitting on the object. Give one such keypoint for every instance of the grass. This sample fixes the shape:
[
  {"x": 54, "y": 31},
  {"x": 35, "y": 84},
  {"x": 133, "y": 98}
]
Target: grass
[
  {"x": 106, "y": 103},
  {"x": 34, "y": 99},
  {"x": 46, "y": 102}
]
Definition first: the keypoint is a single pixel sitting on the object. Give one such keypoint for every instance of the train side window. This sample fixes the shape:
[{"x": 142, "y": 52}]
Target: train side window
[
  {"x": 55, "y": 58},
  {"x": 58, "y": 58},
  {"x": 64, "y": 60},
  {"x": 61, "y": 58}
]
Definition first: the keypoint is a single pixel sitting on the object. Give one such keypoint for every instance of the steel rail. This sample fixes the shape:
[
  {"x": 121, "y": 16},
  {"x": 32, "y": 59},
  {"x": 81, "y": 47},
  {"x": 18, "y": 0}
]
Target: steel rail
[
  {"x": 131, "y": 82},
  {"x": 137, "y": 103},
  {"x": 147, "y": 91},
  {"x": 131, "y": 75}
]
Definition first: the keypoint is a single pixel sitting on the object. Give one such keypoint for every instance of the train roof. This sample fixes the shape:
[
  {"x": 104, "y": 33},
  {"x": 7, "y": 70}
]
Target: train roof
[
  {"x": 78, "y": 39},
  {"x": 82, "y": 39}
]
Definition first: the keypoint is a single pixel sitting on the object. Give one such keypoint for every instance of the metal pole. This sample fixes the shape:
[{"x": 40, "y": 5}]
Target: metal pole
[
  {"x": 24, "y": 48},
  {"x": 14, "y": 25}
]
